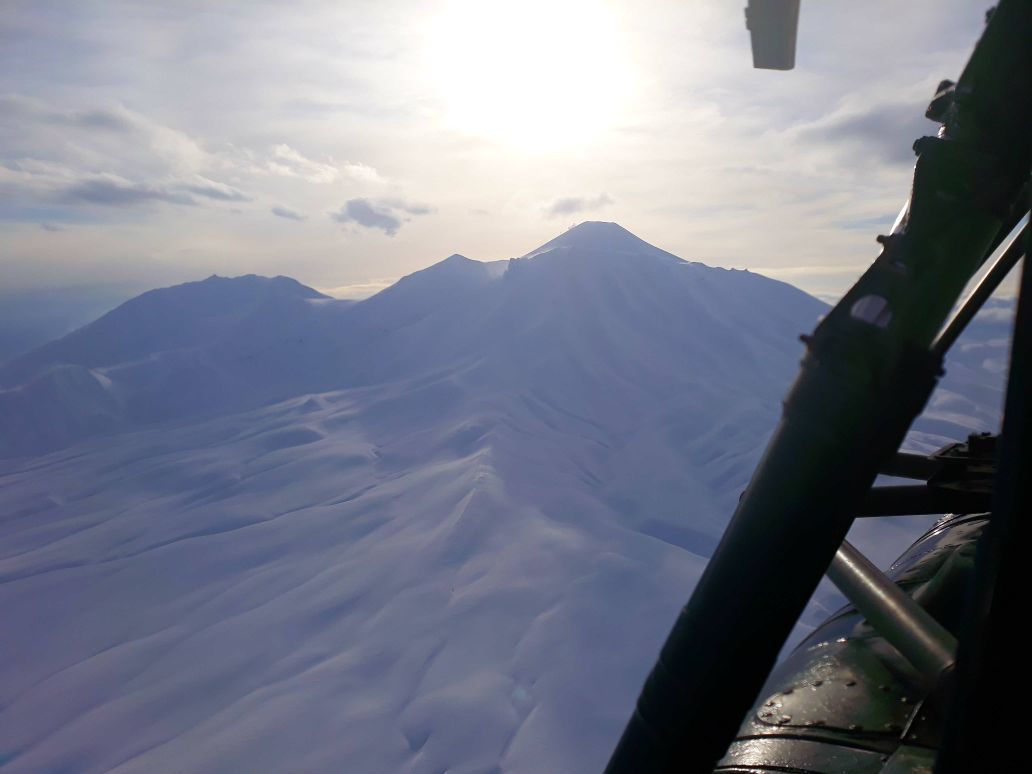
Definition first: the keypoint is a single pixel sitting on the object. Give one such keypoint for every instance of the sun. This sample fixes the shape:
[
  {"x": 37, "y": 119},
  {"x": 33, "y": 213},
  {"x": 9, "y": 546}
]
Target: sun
[{"x": 532, "y": 74}]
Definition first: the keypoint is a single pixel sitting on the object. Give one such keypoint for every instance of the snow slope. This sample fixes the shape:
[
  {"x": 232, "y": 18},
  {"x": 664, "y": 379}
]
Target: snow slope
[{"x": 248, "y": 528}]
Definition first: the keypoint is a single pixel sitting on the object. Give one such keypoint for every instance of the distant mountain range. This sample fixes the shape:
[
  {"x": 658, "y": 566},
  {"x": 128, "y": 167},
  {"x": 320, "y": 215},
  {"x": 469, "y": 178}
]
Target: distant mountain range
[
  {"x": 223, "y": 344},
  {"x": 247, "y": 527}
]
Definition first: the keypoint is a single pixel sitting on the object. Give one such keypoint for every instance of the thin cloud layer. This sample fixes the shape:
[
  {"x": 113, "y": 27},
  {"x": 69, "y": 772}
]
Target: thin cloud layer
[
  {"x": 283, "y": 212},
  {"x": 115, "y": 192},
  {"x": 219, "y": 191}
]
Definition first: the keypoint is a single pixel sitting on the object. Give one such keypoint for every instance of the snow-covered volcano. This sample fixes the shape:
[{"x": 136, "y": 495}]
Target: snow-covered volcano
[
  {"x": 595, "y": 308},
  {"x": 247, "y": 527}
]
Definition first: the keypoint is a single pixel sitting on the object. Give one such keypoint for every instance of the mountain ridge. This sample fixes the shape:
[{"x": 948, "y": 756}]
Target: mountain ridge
[
  {"x": 233, "y": 344},
  {"x": 151, "y": 317}
]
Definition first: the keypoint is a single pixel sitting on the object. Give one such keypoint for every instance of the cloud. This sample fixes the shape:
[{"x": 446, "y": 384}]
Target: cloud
[
  {"x": 284, "y": 160},
  {"x": 365, "y": 213},
  {"x": 115, "y": 119},
  {"x": 362, "y": 172},
  {"x": 386, "y": 215},
  {"x": 97, "y": 139},
  {"x": 574, "y": 204},
  {"x": 886, "y": 130},
  {"x": 283, "y": 212},
  {"x": 219, "y": 191},
  {"x": 110, "y": 120},
  {"x": 50, "y": 227},
  {"x": 96, "y": 160},
  {"x": 106, "y": 156},
  {"x": 116, "y": 192}
]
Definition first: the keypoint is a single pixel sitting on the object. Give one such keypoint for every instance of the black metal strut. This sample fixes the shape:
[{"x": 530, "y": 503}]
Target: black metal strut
[{"x": 869, "y": 369}]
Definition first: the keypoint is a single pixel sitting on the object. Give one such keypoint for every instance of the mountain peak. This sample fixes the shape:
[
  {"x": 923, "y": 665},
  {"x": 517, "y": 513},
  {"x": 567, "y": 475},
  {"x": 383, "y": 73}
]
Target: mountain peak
[
  {"x": 596, "y": 236},
  {"x": 245, "y": 283},
  {"x": 593, "y": 229}
]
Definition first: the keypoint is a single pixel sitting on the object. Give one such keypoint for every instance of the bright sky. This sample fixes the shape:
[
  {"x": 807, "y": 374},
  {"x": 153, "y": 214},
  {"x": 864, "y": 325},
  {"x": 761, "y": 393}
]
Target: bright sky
[{"x": 349, "y": 143}]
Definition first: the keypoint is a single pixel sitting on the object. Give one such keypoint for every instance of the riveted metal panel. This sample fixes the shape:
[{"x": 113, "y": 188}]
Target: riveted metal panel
[
  {"x": 777, "y": 754},
  {"x": 845, "y": 699}
]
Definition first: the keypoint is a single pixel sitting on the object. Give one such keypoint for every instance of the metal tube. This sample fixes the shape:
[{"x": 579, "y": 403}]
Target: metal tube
[
  {"x": 974, "y": 738},
  {"x": 899, "y": 619},
  {"x": 985, "y": 288},
  {"x": 922, "y": 500},
  {"x": 916, "y": 466}
]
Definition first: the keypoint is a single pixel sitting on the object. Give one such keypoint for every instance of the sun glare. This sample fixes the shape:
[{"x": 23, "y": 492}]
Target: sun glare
[{"x": 536, "y": 75}]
